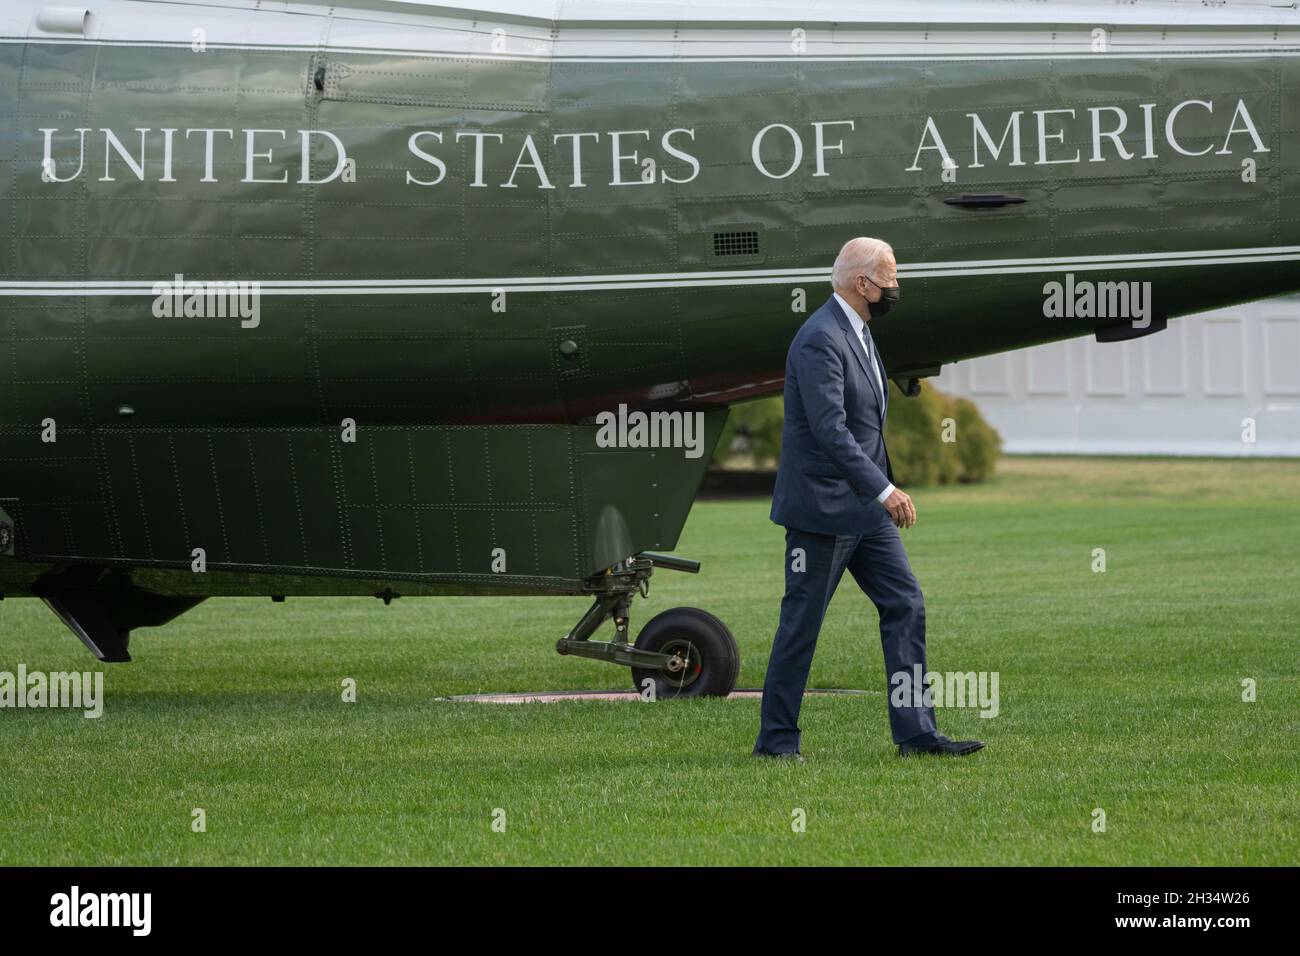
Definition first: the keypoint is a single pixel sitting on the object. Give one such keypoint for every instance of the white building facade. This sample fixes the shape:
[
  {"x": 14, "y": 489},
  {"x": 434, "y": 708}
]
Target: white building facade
[{"x": 1222, "y": 383}]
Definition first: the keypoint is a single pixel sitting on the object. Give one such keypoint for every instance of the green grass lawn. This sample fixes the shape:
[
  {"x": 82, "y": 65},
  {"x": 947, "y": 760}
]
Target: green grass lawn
[{"x": 1120, "y": 690}]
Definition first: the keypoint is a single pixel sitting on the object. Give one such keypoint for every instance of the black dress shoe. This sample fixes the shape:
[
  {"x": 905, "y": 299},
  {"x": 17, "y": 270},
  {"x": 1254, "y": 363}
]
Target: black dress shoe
[
  {"x": 942, "y": 745},
  {"x": 792, "y": 755}
]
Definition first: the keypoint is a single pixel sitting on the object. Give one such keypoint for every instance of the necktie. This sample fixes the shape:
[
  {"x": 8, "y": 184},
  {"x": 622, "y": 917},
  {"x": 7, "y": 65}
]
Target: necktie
[{"x": 875, "y": 368}]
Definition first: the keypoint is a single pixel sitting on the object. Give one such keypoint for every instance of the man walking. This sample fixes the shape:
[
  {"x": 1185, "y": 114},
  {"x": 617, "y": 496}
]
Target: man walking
[{"x": 836, "y": 498}]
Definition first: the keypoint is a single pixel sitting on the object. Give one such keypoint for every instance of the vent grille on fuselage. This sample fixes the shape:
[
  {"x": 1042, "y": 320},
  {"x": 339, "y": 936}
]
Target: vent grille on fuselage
[{"x": 735, "y": 243}]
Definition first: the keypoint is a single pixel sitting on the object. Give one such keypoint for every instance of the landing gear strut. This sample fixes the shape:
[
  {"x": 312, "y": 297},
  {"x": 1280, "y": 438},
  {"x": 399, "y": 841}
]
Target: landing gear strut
[
  {"x": 102, "y": 608},
  {"x": 682, "y": 652}
]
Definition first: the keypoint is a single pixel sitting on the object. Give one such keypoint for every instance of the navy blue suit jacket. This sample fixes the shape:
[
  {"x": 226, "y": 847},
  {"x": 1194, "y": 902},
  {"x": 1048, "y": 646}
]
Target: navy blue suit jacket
[{"x": 833, "y": 458}]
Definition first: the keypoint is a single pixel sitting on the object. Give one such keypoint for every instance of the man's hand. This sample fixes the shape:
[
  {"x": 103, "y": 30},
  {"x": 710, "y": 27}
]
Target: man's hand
[{"x": 900, "y": 509}]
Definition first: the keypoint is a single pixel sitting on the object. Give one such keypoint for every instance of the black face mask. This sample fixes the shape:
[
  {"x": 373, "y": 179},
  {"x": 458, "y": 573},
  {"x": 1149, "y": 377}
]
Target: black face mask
[{"x": 888, "y": 299}]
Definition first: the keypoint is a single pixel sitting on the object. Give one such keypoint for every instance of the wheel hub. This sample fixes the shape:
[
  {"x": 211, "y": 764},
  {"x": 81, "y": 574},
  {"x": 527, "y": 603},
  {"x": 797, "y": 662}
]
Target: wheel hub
[{"x": 685, "y": 664}]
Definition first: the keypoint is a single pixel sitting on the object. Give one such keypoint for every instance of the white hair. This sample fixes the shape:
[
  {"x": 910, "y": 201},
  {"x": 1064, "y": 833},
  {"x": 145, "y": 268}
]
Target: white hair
[{"x": 859, "y": 256}]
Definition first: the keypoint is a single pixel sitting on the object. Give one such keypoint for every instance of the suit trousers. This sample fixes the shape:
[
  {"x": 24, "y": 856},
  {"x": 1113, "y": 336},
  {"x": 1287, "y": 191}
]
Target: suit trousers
[{"x": 814, "y": 564}]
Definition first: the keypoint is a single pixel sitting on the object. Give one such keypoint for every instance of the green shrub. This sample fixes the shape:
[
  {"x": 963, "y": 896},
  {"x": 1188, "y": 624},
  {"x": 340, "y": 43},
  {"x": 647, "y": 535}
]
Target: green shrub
[
  {"x": 752, "y": 435},
  {"x": 915, "y": 433},
  {"x": 978, "y": 443}
]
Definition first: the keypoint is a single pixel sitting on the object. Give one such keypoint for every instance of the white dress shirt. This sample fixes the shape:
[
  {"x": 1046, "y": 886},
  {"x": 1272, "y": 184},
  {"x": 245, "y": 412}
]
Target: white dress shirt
[{"x": 859, "y": 327}]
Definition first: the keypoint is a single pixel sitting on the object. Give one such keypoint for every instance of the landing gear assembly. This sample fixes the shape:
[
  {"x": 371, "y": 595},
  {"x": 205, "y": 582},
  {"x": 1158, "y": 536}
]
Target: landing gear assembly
[{"x": 682, "y": 652}]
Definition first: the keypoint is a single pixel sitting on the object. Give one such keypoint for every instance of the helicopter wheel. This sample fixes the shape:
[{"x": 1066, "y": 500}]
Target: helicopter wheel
[{"x": 707, "y": 659}]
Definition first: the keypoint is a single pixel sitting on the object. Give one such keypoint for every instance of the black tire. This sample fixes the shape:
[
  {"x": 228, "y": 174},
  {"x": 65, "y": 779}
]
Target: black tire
[{"x": 712, "y": 658}]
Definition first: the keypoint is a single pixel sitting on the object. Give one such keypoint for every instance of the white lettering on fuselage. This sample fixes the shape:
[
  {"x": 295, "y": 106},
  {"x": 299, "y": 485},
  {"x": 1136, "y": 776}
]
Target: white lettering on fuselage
[{"x": 637, "y": 158}]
